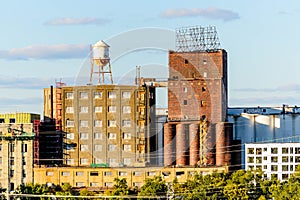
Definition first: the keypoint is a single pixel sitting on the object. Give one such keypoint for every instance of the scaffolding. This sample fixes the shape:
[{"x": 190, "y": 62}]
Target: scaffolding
[{"x": 197, "y": 38}]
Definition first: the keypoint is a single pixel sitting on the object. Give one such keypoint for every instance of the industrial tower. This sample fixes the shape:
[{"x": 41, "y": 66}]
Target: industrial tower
[{"x": 197, "y": 132}]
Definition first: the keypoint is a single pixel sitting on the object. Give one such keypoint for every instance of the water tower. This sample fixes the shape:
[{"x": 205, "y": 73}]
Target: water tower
[{"x": 100, "y": 63}]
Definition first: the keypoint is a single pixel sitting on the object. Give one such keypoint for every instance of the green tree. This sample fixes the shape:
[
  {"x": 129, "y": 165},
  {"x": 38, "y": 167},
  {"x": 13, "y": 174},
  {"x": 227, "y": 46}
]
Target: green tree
[
  {"x": 205, "y": 187},
  {"x": 120, "y": 187},
  {"x": 154, "y": 187},
  {"x": 239, "y": 185},
  {"x": 36, "y": 189},
  {"x": 65, "y": 190},
  {"x": 86, "y": 192}
]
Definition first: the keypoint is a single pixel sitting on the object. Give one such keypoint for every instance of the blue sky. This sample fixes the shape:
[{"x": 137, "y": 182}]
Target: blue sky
[{"x": 44, "y": 41}]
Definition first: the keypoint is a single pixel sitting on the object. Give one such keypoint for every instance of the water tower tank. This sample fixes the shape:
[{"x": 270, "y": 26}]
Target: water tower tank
[{"x": 101, "y": 53}]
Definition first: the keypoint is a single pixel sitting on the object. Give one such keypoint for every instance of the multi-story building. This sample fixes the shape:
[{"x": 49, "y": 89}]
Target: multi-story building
[
  {"x": 48, "y": 143},
  {"x": 277, "y": 160},
  {"x": 265, "y": 125},
  {"x": 16, "y": 149},
  {"x": 197, "y": 131},
  {"x": 103, "y": 178},
  {"x": 109, "y": 125}
]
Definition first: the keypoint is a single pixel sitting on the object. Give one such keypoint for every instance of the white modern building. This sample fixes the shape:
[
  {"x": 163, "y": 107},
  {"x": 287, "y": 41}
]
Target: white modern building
[
  {"x": 264, "y": 125},
  {"x": 274, "y": 159}
]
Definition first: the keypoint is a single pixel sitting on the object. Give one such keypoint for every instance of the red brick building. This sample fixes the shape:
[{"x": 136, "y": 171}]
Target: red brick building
[{"x": 197, "y": 131}]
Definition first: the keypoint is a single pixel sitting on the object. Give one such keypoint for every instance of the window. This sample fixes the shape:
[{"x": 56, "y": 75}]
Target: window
[
  {"x": 98, "y": 109},
  {"x": 112, "y": 123},
  {"x": 98, "y": 123},
  {"x": 184, "y": 102},
  {"x": 69, "y": 95},
  {"x": 79, "y": 184},
  {"x": 84, "y": 109},
  {"x": 98, "y": 161},
  {"x": 203, "y": 88},
  {"x": 112, "y": 95},
  {"x": 98, "y": 136},
  {"x": 137, "y": 184},
  {"x": 80, "y": 173},
  {"x": 285, "y": 176},
  {"x": 97, "y": 95},
  {"x": 112, "y": 161},
  {"x": 291, "y": 150},
  {"x": 108, "y": 184},
  {"x": 70, "y": 161},
  {"x": 12, "y": 161},
  {"x": 84, "y": 147},
  {"x": 122, "y": 173},
  {"x": 84, "y": 161},
  {"x": 23, "y": 161},
  {"x": 12, "y": 147},
  {"x": 49, "y": 184},
  {"x": 70, "y": 136},
  {"x": 127, "y": 147},
  {"x": 108, "y": 173},
  {"x": 112, "y": 109},
  {"x": 186, "y": 61},
  {"x": 265, "y": 158},
  {"x": 84, "y": 123},
  {"x": 204, "y": 61},
  {"x": 126, "y": 123},
  {"x": 65, "y": 173},
  {"x": 285, "y": 150},
  {"x": 152, "y": 173},
  {"x": 83, "y": 95},
  {"x": 24, "y": 148},
  {"x": 127, "y": 161},
  {"x": 94, "y": 184},
  {"x": 84, "y": 136},
  {"x": 285, "y": 159},
  {"x": 112, "y": 147},
  {"x": 126, "y": 109},
  {"x": 94, "y": 173},
  {"x": 274, "y": 150},
  {"x": 285, "y": 168},
  {"x": 70, "y": 123},
  {"x": 297, "y": 159},
  {"x": 274, "y": 168},
  {"x": 258, "y": 160},
  {"x": 297, "y": 150},
  {"x": 0, "y": 160},
  {"x": 69, "y": 109},
  {"x": 0, "y": 147},
  {"x": 258, "y": 151},
  {"x": 127, "y": 136},
  {"x": 185, "y": 90},
  {"x": 250, "y": 150},
  {"x": 203, "y": 103},
  {"x": 49, "y": 173},
  {"x": 12, "y": 173},
  {"x": 250, "y": 160},
  {"x": 274, "y": 159},
  {"x": 112, "y": 136},
  {"x": 98, "y": 147},
  {"x": 12, "y": 120},
  {"x": 137, "y": 173},
  {"x": 205, "y": 74},
  {"x": 126, "y": 95}
]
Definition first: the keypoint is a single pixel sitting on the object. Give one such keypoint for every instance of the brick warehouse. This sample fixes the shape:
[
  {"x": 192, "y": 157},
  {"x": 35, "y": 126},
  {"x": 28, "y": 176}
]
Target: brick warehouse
[{"x": 197, "y": 131}]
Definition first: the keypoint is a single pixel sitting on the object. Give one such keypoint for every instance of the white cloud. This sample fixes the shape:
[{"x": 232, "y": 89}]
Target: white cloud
[
  {"x": 58, "y": 51},
  {"x": 77, "y": 21},
  {"x": 212, "y": 13}
]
